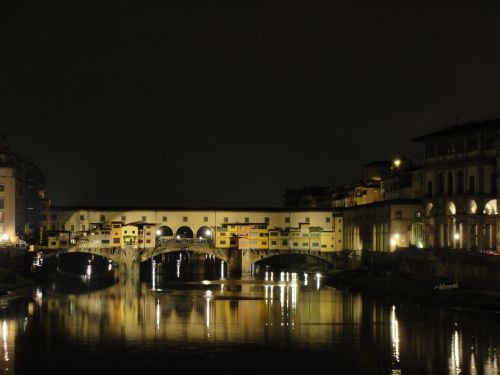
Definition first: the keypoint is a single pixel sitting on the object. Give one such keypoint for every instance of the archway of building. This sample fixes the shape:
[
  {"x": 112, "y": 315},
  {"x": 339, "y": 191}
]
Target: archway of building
[
  {"x": 204, "y": 233},
  {"x": 184, "y": 233}
]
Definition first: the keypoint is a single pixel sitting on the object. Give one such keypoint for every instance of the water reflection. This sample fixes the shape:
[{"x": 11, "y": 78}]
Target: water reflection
[{"x": 281, "y": 321}]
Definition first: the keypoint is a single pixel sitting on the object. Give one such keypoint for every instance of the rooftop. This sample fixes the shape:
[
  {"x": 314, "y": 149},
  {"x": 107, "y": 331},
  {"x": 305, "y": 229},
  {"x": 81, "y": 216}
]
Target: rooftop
[{"x": 456, "y": 129}]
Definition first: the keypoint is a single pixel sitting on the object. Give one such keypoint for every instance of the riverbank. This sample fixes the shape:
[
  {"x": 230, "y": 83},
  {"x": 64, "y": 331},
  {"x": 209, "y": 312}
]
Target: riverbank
[
  {"x": 395, "y": 287},
  {"x": 11, "y": 280}
]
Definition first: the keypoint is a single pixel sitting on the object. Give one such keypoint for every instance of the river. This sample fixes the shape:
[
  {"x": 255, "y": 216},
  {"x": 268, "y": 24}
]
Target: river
[{"x": 276, "y": 323}]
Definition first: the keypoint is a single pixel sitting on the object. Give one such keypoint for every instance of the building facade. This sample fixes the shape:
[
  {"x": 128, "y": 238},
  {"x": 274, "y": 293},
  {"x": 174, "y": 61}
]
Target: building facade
[
  {"x": 460, "y": 181},
  {"x": 22, "y": 194}
]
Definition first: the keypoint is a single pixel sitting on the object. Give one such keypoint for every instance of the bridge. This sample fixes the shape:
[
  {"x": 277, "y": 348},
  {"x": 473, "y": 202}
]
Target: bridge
[{"x": 239, "y": 261}]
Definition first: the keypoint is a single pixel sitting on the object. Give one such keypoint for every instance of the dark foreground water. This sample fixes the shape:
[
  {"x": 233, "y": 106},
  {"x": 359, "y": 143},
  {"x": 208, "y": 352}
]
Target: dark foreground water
[{"x": 287, "y": 325}]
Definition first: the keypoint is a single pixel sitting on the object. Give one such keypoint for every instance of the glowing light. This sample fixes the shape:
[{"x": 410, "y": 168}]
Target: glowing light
[
  {"x": 395, "y": 334},
  {"x": 456, "y": 236},
  {"x": 5, "y": 237},
  {"x": 222, "y": 269},
  {"x": 208, "y": 232},
  {"x": 158, "y": 232},
  {"x": 396, "y": 236},
  {"x": 397, "y": 163},
  {"x": 282, "y": 276},
  {"x": 158, "y": 315},
  {"x": 5, "y": 334}
]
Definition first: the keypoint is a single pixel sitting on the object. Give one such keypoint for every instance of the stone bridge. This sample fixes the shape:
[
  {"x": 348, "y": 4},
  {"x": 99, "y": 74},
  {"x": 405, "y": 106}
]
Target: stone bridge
[{"x": 239, "y": 261}]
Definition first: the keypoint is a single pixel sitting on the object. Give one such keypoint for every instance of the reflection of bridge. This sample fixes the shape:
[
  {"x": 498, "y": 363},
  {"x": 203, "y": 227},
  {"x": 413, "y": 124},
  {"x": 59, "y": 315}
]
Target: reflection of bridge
[{"x": 238, "y": 261}]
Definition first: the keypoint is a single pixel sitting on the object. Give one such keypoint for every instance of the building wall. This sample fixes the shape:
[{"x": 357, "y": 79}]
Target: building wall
[{"x": 8, "y": 195}]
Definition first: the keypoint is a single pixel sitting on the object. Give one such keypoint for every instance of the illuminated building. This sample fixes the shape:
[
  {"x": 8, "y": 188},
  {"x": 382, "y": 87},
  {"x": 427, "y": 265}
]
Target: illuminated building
[{"x": 460, "y": 178}]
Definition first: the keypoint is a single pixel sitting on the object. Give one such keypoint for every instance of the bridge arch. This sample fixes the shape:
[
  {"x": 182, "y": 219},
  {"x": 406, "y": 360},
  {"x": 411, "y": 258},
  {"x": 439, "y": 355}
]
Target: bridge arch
[
  {"x": 204, "y": 233},
  {"x": 184, "y": 232}
]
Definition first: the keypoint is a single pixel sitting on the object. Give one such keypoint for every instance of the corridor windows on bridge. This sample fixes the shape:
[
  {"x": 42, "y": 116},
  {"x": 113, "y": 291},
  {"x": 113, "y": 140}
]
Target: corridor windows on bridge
[
  {"x": 226, "y": 219},
  {"x": 308, "y": 219},
  {"x": 164, "y": 219},
  {"x": 82, "y": 217},
  {"x": 124, "y": 218},
  {"x": 247, "y": 220},
  {"x": 490, "y": 208},
  {"x": 398, "y": 214},
  {"x": 205, "y": 219},
  {"x": 327, "y": 219},
  {"x": 266, "y": 220},
  {"x": 184, "y": 233},
  {"x": 185, "y": 219},
  {"x": 287, "y": 220},
  {"x": 144, "y": 218},
  {"x": 102, "y": 218}
]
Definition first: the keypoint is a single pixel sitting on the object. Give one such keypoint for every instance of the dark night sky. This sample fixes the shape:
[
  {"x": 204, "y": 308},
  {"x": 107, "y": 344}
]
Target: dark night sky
[{"x": 228, "y": 103}]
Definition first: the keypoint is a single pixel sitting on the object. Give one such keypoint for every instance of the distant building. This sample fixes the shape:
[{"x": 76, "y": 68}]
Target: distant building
[
  {"x": 460, "y": 181},
  {"x": 309, "y": 197},
  {"x": 384, "y": 226},
  {"x": 22, "y": 195}
]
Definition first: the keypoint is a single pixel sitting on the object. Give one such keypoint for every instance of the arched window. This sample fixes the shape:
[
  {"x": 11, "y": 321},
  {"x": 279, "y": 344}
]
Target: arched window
[
  {"x": 452, "y": 209},
  {"x": 472, "y": 207},
  {"x": 490, "y": 208}
]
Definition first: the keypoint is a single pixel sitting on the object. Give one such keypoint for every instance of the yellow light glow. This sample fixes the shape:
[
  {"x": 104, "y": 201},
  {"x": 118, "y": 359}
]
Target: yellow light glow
[{"x": 397, "y": 163}]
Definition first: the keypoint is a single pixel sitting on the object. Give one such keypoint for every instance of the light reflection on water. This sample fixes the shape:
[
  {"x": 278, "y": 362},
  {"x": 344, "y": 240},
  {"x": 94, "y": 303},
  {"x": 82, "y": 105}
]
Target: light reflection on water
[{"x": 236, "y": 318}]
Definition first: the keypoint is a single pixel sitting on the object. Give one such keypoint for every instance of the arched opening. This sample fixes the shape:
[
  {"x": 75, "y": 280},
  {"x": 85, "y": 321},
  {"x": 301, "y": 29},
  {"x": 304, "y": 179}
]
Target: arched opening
[
  {"x": 183, "y": 233},
  {"x": 491, "y": 207},
  {"x": 429, "y": 209},
  {"x": 451, "y": 209},
  {"x": 204, "y": 233},
  {"x": 164, "y": 234},
  {"x": 472, "y": 207}
]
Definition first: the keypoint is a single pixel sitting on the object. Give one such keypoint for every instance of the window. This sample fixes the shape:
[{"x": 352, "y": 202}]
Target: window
[
  {"x": 418, "y": 214},
  {"x": 460, "y": 182},
  {"x": 83, "y": 228},
  {"x": 273, "y": 242},
  {"x": 226, "y": 220},
  {"x": 82, "y": 217},
  {"x": 327, "y": 219},
  {"x": 308, "y": 219},
  {"x": 105, "y": 242},
  {"x": 287, "y": 219},
  {"x": 429, "y": 188},
  {"x": 266, "y": 220},
  {"x": 148, "y": 241},
  {"x": 440, "y": 187},
  {"x": 285, "y": 242},
  {"x": 449, "y": 184},
  {"x": 398, "y": 214},
  {"x": 472, "y": 143},
  {"x": 205, "y": 219},
  {"x": 247, "y": 220},
  {"x": 316, "y": 244},
  {"x": 116, "y": 240},
  {"x": 295, "y": 244},
  {"x": 305, "y": 244},
  {"x": 472, "y": 184},
  {"x": 124, "y": 218},
  {"x": 185, "y": 219},
  {"x": 430, "y": 150},
  {"x": 2, "y": 187},
  {"x": 223, "y": 242},
  {"x": 116, "y": 226},
  {"x": 72, "y": 228},
  {"x": 144, "y": 218},
  {"x": 102, "y": 218},
  {"x": 164, "y": 218}
]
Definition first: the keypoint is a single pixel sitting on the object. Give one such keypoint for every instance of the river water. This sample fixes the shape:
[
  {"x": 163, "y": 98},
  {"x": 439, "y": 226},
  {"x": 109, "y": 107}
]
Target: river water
[{"x": 279, "y": 324}]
